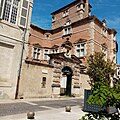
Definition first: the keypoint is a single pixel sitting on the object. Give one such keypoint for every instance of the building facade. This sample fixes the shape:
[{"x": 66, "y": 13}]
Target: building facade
[
  {"x": 57, "y": 58},
  {"x": 15, "y": 16}
]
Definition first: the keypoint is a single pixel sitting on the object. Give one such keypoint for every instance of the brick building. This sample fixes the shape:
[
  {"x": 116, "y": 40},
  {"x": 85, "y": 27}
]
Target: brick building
[{"x": 56, "y": 60}]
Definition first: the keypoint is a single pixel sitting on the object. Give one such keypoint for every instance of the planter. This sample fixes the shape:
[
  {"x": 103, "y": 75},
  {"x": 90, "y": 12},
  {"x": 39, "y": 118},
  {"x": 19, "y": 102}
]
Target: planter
[{"x": 111, "y": 110}]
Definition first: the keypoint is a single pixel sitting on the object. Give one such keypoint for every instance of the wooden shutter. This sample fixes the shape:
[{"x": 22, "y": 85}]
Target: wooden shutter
[
  {"x": 2, "y": 4},
  {"x": 24, "y": 13}
]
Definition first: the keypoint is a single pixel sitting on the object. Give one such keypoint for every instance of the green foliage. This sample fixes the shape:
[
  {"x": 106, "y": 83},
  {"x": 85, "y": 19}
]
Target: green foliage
[
  {"x": 99, "y": 70},
  {"x": 100, "y": 73},
  {"x": 102, "y": 115},
  {"x": 105, "y": 95}
]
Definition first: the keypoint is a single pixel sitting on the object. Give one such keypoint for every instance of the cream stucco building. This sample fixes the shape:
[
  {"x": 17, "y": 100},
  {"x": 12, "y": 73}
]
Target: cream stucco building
[{"x": 15, "y": 16}]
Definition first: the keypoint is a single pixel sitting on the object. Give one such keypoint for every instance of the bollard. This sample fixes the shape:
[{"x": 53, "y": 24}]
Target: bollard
[
  {"x": 68, "y": 109},
  {"x": 30, "y": 115}
]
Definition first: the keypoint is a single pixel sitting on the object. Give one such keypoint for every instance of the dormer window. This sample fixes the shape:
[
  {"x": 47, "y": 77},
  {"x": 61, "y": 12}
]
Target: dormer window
[
  {"x": 67, "y": 23},
  {"x": 104, "y": 31},
  {"x": 80, "y": 6},
  {"x": 47, "y": 35},
  {"x": 65, "y": 13},
  {"x": 53, "y": 18},
  {"x": 114, "y": 37}
]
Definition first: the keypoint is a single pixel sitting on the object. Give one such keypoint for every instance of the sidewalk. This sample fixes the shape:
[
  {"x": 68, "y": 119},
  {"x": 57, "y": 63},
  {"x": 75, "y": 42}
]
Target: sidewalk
[
  {"x": 53, "y": 114},
  {"x": 36, "y": 99}
]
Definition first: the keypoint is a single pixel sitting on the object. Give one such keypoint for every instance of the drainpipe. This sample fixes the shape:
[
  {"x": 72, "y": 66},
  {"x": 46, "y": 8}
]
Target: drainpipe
[
  {"x": 20, "y": 65},
  {"x": 21, "y": 57}
]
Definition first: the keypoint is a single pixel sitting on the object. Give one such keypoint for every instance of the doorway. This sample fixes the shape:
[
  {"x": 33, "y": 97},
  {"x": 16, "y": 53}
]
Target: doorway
[{"x": 66, "y": 81}]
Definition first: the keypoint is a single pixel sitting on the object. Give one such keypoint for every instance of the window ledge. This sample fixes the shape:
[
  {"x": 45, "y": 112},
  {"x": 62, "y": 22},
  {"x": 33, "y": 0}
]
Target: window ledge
[
  {"x": 9, "y": 24},
  {"x": 65, "y": 16},
  {"x": 67, "y": 35},
  {"x": 36, "y": 59}
]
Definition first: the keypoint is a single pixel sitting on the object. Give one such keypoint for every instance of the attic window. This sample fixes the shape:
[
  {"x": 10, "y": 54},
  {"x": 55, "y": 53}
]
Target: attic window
[
  {"x": 65, "y": 13},
  {"x": 53, "y": 18},
  {"x": 80, "y": 6},
  {"x": 104, "y": 31},
  {"x": 67, "y": 23},
  {"x": 47, "y": 35}
]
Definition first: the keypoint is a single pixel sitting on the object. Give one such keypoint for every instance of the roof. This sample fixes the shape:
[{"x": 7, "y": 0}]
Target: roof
[
  {"x": 79, "y": 21},
  {"x": 66, "y": 6},
  {"x": 39, "y": 28}
]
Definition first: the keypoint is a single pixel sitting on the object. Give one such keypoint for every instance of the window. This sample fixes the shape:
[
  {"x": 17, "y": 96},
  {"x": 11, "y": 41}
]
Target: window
[
  {"x": 46, "y": 57},
  {"x": 24, "y": 13},
  {"x": 67, "y": 30},
  {"x": 47, "y": 35},
  {"x": 54, "y": 51},
  {"x": 80, "y": 50},
  {"x": 119, "y": 72},
  {"x": 36, "y": 53},
  {"x": 43, "y": 82},
  {"x": 65, "y": 13},
  {"x": 11, "y": 11},
  {"x": 104, "y": 31},
  {"x": 80, "y": 6},
  {"x": 2, "y": 2},
  {"x": 53, "y": 18},
  {"x": 67, "y": 23},
  {"x": 104, "y": 50}
]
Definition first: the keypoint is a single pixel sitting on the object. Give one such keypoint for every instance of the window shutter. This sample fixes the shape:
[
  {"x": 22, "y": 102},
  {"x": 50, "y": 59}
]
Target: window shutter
[
  {"x": 2, "y": 3},
  {"x": 24, "y": 13}
]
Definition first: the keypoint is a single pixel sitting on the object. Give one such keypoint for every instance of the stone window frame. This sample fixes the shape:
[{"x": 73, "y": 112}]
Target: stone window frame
[
  {"x": 54, "y": 51},
  {"x": 67, "y": 30},
  {"x": 80, "y": 6},
  {"x": 53, "y": 18},
  {"x": 10, "y": 12},
  {"x": 44, "y": 82},
  {"x": 45, "y": 56},
  {"x": 24, "y": 13},
  {"x": 65, "y": 13},
  {"x": 104, "y": 50},
  {"x": 36, "y": 53},
  {"x": 104, "y": 31},
  {"x": 80, "y": 48},
  {"x": 47, "y": 35}
]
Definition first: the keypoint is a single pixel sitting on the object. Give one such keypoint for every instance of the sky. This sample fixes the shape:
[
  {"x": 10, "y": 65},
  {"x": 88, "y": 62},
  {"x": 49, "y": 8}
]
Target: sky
[{"x": 102, "y": 9}]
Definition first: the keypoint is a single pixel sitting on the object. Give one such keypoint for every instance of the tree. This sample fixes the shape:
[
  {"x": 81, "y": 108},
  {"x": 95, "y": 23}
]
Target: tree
[{"x": 100, "y": 72}]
